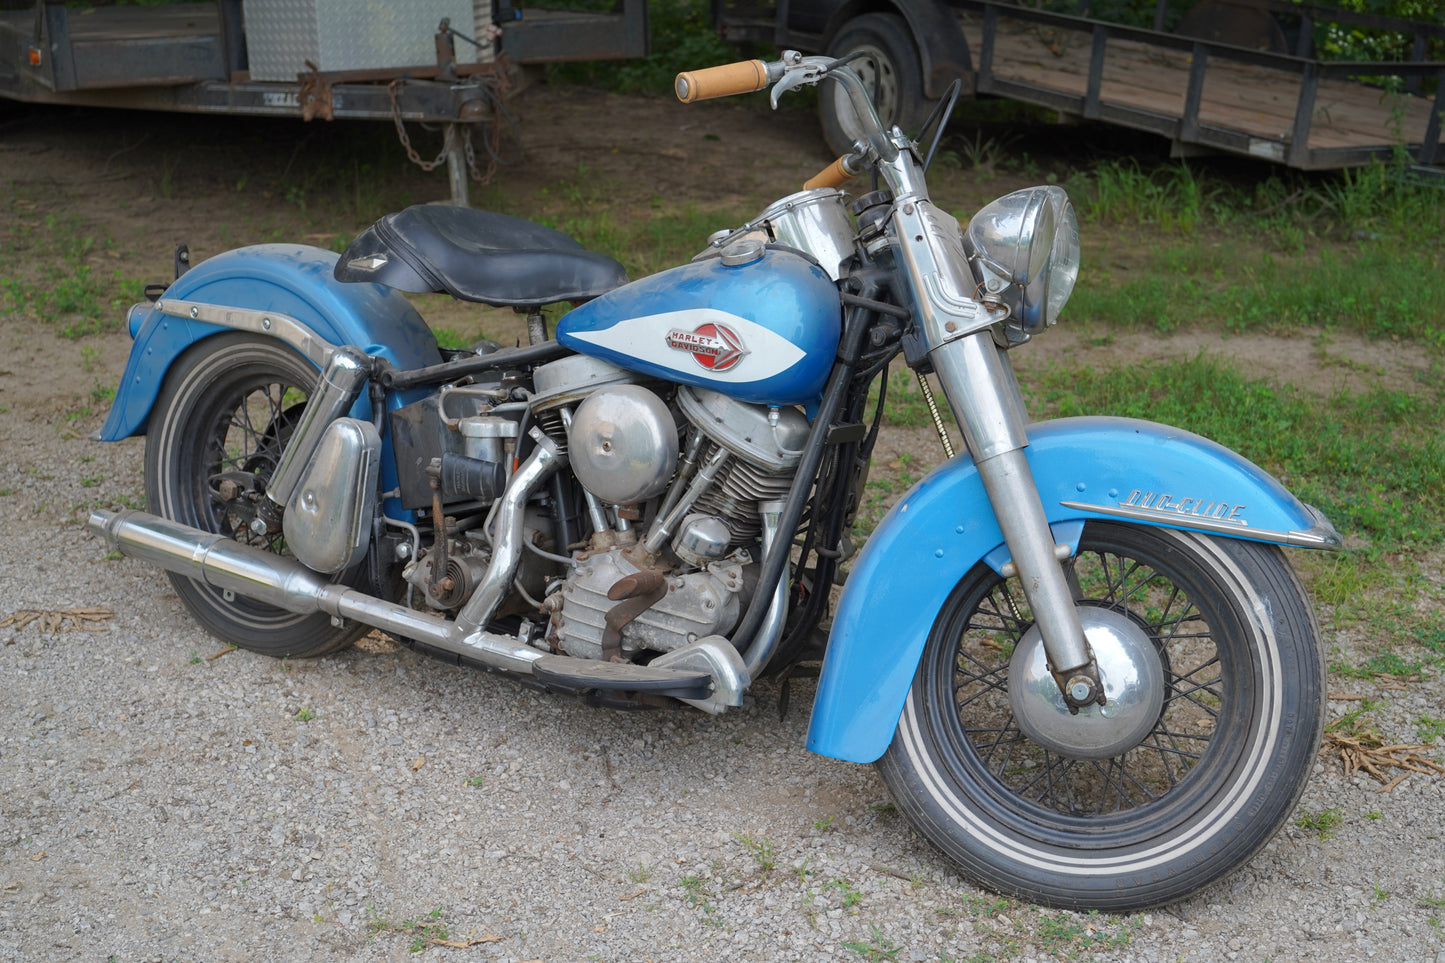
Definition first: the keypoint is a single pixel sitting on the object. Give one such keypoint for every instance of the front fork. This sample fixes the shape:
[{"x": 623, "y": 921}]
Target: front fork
[{"x": 981, "y": 389}]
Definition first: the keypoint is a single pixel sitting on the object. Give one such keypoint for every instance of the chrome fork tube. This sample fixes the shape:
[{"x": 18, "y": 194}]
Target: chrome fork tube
[
  {"x": 507, "y": 543},
  {"x": 985, "y": 398}
]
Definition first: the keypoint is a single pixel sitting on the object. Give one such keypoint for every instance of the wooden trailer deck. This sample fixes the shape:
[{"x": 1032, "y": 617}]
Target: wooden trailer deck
[{"x": 1293, "y": 110}]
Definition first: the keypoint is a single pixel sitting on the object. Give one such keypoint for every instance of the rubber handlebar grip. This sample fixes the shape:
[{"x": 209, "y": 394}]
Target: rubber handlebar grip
[
  {"x": 835, "y": 174},
  {"x": 709, "y": 82}
]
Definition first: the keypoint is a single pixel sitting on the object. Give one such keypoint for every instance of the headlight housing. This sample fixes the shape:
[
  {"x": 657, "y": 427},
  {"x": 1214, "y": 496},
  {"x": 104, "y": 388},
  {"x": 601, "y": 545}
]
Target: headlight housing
[{"x": 1025, "y": 248}]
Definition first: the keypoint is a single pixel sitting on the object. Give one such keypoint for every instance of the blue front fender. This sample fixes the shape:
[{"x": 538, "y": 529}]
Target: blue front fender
[
  {"x": 1085, "y": 468},
  {"x": 291, "y": 279}
]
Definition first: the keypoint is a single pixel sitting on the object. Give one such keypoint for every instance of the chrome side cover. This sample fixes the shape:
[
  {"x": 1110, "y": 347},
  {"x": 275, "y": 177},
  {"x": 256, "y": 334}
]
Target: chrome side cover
[{"x": 327, "y": 521}]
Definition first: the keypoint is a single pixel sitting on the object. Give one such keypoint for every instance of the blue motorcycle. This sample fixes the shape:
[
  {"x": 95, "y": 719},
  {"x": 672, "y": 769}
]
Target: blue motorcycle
[{"x": 1075, "y": 651}]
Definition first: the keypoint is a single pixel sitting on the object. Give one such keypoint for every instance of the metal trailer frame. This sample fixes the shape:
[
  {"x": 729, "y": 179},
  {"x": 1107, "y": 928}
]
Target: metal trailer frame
[
  {"x": 191, "y": 57},
  {"x": 945, "y": 54}
]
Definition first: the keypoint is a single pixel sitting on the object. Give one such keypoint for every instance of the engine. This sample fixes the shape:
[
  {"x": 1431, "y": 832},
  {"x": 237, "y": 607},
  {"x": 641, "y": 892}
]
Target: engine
[
  {"x": 672, "y": 479},
  {"x": 692, "y": 465}
]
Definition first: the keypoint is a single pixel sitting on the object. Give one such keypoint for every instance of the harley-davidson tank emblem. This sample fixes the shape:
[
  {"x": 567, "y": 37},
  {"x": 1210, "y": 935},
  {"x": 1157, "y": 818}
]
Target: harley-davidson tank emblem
[{"x": 715, "y": 347}]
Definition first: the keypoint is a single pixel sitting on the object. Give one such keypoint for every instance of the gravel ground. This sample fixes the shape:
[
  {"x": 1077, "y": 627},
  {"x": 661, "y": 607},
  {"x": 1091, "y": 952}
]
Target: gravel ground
[
  {"x": 160, "y": 800},
  {"x": 164, "y": 802}
]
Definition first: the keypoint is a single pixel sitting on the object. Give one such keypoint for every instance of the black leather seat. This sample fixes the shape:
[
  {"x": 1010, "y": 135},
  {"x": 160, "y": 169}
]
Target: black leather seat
[{"x": 477, "y": 256}]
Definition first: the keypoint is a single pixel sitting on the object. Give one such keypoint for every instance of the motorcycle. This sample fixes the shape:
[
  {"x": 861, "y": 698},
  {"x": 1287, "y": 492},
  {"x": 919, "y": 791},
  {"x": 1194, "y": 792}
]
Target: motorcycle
[{"x": 1075, "y": 650}]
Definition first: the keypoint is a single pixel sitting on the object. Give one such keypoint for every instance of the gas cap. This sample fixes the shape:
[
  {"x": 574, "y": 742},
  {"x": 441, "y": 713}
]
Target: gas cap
[{"x": 742, "y": 252}]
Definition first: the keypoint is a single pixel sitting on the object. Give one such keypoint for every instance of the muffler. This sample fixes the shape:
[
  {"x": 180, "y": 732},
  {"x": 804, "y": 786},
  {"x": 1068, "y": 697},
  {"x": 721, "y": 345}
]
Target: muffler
[
  {"x": 229, "y": 565},
  {"x": 285, "y": 583}
]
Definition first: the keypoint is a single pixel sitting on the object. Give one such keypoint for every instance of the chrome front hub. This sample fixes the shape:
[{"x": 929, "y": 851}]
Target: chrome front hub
[{"x": 1133, "y": 680}]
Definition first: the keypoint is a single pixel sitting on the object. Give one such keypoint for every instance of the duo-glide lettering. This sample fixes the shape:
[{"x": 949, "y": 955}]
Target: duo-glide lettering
[{"x": 1196, "y": 507}]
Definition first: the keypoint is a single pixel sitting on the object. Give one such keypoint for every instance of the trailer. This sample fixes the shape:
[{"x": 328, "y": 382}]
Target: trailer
[
  {"x": 1233, "y": 76},
  {"x": 449, "y": 62}
]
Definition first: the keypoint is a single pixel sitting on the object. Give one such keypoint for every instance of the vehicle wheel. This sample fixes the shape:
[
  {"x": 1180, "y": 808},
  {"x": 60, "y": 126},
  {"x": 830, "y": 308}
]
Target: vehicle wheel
[
  {"x": 889, "y": 68},
  {"x": 1219, "y": 771},
  {"x": 228, "y": 405}
]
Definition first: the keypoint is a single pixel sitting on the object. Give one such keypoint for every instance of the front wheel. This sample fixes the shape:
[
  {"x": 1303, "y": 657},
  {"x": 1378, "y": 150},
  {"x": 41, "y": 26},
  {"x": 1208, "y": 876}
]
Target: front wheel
[
  {"x": 225, "y": 412},
  {"x": 1206, "y": 786}
]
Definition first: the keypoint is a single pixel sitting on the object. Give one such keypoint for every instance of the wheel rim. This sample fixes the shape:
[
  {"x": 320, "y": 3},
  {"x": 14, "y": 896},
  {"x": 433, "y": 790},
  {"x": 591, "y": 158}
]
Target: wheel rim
[
  {"x": 1190, "y": 751},
  {"x": 231, "y": 412},
  {"x": 250, "y": 425}
]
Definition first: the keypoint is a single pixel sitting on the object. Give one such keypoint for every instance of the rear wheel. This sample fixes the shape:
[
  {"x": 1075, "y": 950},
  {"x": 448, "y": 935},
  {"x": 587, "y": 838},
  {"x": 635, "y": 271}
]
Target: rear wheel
[
  {"x": 1206, "y": 786},
  {"x": 225, "y": 412},
  {"x": 889, "y": 68}
]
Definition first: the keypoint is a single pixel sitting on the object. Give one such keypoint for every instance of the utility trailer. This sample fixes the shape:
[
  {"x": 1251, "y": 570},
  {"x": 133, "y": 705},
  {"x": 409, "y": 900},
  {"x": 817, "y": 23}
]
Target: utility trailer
[
  {"x": 1232, "y": 76},
  {"x": 309, "y": 59}
]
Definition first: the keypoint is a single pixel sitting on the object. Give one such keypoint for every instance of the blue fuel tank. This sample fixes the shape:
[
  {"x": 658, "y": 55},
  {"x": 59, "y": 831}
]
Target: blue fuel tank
[{"x": 764, "y": 331}]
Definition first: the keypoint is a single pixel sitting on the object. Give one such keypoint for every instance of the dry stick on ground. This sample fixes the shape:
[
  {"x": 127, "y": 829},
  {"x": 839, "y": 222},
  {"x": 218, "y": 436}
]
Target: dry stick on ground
[
  {"x": 1358, "y": 753},
  {"x": 60, "y": 620},
  {"x": 463, "y": 944}
]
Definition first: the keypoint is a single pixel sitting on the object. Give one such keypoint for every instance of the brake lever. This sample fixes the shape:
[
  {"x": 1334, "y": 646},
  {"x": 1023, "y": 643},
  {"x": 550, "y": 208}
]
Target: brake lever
[{"x": 805, "y": 70}]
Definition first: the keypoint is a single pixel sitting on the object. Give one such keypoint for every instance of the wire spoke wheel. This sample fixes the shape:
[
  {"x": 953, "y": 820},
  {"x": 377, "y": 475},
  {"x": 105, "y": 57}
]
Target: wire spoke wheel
[
  {"x": 1203, "y": 788},
  {"x": 1053, "y": 782},
  {"x": 225, "y": 413}
]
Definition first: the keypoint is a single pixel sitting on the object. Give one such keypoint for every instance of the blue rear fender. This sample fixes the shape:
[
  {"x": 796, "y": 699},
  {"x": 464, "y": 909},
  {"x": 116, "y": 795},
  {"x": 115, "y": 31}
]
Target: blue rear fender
[
  {"x": 1085, "y": 468},
  {"x": 289, "y": 279}
]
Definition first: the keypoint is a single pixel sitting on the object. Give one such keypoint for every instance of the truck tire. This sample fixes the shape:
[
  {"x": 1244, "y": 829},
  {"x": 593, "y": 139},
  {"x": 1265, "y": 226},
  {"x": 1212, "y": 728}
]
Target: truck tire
[{"x": 890, "y": 69}]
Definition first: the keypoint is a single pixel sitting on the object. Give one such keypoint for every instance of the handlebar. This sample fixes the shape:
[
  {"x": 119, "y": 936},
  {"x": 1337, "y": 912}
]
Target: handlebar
[
  {"x": 722, "y": 81},
  {"x": 793, "y": 70},
  {"x": 835, "y": 174}
]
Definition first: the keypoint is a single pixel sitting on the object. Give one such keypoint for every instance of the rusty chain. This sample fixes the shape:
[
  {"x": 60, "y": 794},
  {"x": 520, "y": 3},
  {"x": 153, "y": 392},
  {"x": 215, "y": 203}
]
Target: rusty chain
[{"x": 498, "y": 84}]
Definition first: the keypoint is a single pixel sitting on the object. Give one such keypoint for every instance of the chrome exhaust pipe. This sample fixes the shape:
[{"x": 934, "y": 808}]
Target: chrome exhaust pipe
[
  {"x": 545, "y": 459},
  {"x": 770, "y": 633},
  {"x": 285, "y": 583}
]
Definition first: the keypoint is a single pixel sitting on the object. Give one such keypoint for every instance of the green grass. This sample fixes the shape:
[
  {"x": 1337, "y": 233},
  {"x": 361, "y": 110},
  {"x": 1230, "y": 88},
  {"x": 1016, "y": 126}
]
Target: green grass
[
  {"x": 1066, "y": 934},
  {"x": 763, "y": 851},
  {"x": 1381, "y": 290},
  {"x": 876, "y": 948},
  {"x": 64, "y": 290},
  {"x": 1323, "y": 823},
  {"x": 422, "y": 930},
  {"x": 1359, "y": 250},
  {"x": 1171, "y": 198},
  {"x": 645, "y": 238}
]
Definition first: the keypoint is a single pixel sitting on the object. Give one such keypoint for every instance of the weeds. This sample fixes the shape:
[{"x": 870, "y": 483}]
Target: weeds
[
  {"x": 694, "y": 895},
  {"x": 65, "y": 290},
  {"x": 1066, "y": 934},
  {"x": 423, "y": 930},
  {"x": 1429, "y": 728},
  {"x": 1323, "y": 823},
  {"x": 876, "y": 949},
  {"x": 764, "y": 853},
  {"x": 849, "y": 895},
  {"x": 1356, "y": 723},
  {"x": 1171, "y": 198}
]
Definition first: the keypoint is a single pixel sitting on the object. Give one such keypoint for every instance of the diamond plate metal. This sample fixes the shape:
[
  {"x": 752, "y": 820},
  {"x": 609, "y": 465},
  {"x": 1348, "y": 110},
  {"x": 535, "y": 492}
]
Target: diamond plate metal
[{"x": 281, "y": 35}]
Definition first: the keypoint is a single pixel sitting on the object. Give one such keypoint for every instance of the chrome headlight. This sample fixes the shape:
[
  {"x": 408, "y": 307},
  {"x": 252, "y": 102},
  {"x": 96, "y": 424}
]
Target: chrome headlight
[{"x": 1028, "y": 241}]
